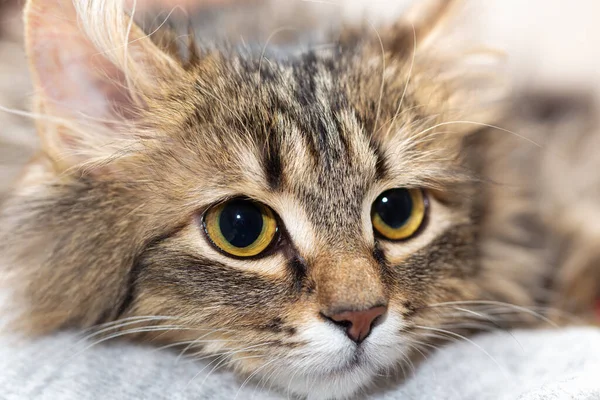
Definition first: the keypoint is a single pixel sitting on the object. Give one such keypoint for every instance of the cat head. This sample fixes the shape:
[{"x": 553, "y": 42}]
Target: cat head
[{"x": 300, "y": 214}]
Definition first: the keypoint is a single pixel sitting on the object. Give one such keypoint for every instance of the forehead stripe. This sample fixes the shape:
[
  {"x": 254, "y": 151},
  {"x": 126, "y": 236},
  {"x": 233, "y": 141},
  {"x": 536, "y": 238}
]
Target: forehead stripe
[{"x": 272, "y": 161}]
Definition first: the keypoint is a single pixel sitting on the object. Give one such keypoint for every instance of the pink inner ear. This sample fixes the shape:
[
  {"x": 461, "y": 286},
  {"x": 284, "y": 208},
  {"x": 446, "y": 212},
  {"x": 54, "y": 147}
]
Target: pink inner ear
[{"x": 73, "y": 77}]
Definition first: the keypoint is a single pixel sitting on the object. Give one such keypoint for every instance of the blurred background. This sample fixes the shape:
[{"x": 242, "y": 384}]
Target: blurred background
[{"x": 550, "y": 43}]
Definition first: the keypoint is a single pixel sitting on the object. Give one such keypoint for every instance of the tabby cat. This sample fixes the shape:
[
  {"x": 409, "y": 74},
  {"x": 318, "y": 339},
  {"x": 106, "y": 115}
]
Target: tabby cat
[{"x": 314, "y": 217}]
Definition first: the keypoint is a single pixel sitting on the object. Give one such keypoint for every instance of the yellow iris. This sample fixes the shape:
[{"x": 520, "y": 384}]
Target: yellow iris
[
  {"x": 257, "y": 228},
  {"x": 408, "y": 204}
]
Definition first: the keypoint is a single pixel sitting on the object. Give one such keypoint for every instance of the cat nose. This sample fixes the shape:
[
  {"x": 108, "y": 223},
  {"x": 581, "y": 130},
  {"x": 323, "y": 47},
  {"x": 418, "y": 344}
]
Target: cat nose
[{"x": 358, "y": 324}]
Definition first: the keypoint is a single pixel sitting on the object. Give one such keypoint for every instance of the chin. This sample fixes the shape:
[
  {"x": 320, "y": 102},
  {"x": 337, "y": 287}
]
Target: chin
[
  {"x": 341, "y": 385},
  {"x": 330, "y": 366}
]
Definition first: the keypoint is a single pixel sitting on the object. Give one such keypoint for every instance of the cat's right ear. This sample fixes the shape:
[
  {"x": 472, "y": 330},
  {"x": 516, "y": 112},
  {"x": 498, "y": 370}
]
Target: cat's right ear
[
  {"x": 419, "y": 25},
  {"x": 94, "y": 74}
]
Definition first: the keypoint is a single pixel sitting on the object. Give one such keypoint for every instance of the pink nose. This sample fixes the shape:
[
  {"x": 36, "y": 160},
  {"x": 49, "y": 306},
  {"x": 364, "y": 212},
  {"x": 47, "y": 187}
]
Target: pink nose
[{"x": 358, "y": 324}]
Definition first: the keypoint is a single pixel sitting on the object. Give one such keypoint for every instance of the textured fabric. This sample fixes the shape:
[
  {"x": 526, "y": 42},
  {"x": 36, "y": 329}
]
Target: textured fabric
[{"x": 524, "y": 365}]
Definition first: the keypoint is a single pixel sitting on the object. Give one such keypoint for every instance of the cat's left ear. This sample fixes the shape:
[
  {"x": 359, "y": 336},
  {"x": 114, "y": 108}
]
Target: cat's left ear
[
  {"x": 467, "y": 82},
  {"x": 94, "y": 71}
]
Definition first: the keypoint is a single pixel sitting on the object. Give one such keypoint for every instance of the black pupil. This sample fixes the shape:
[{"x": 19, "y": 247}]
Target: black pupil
[
  {"x": 241, "y": 223},
  {"x": 394, "y": 207}
]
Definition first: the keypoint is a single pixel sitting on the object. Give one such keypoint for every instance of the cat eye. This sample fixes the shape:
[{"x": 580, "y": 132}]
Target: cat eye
[
  {"x": 240, "y": 227},
  {"x": 397, "y": 214}
]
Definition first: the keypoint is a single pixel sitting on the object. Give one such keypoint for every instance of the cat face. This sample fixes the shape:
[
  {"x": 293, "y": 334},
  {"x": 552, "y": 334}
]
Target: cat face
[
  {"x": 304, "y": 150},
  {"x": 301, "y": 217}
]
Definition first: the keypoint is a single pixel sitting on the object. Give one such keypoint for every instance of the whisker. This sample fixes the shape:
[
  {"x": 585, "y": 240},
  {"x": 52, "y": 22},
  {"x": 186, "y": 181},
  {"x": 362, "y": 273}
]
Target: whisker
[
  {"x": 222, "y": 359},
  {"x": 120, "y": 334},
  {"x": 471, "y": 325},
  {"x": 446, "y": 332},
  {"x": 115, "y": 322},
  {"x": 416, "y": 348},
  {"x": 195, "y": 341},
  {"x": 571, "y": 318},
  {"x": 425, "y": 344},
  {"x": 289, "y": 385},
  {"x": 497, "y": 303},
  {"x": 482, "y": 125},
  {"x": 113, "y": 328},
  {"x": 256, "y": 371},
  {"x": 406, "y": 360},
  {"x": 488, "y": 318},
  {"x": 155, "y": 328},
  {"x": 203, "y": 355},
  {"x": 263, "y": 381},
  {"x": 193, "y": 357},
  {"x": 226, "y": 362}
]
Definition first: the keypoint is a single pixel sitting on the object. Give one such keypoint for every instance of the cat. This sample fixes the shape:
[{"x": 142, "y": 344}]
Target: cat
[{"x": 316, "y": 218}]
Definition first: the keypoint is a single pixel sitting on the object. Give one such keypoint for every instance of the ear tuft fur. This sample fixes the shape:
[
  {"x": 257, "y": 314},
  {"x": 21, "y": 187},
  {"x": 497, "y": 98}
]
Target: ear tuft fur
[
  {"x": 94, "y": 73},
  {"x": 419, "y": 25}
]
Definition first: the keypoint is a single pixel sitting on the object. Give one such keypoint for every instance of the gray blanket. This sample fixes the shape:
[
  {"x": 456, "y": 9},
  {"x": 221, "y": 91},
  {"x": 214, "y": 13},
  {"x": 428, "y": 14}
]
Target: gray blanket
[{"x": 524, "y": 365}]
